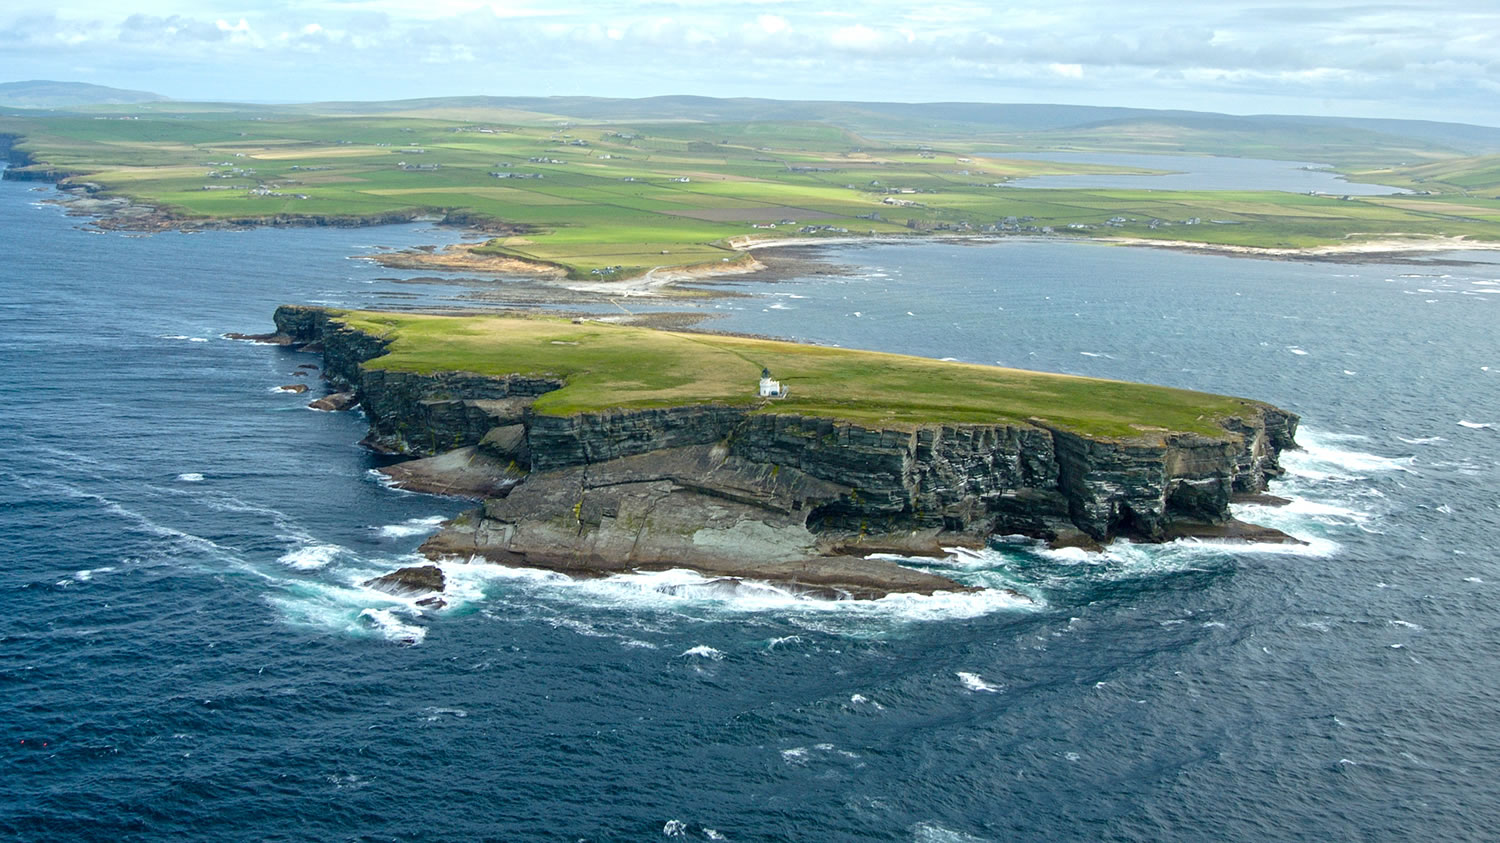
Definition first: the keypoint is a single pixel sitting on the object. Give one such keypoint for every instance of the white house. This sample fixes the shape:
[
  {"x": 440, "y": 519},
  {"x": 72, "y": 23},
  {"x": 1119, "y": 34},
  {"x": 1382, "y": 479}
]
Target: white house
[{"x": 770, "y": 388}]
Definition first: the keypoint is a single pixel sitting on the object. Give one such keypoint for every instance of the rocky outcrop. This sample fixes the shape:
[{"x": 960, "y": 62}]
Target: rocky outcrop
[
  {"x": 417, "y": 579},
  {"x": 749, "y": 491},
  {"x": 334, "y": 403}
]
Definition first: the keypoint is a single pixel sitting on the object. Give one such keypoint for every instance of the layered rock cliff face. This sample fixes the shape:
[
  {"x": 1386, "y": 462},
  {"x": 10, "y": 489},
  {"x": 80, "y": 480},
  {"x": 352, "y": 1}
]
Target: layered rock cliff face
[{"x": 735, "y": 490}]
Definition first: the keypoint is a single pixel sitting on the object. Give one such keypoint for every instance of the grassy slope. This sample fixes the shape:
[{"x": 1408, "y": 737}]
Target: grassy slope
[
  {"x": 613, "y": 366},
  {"x": 585, "y": 216}
]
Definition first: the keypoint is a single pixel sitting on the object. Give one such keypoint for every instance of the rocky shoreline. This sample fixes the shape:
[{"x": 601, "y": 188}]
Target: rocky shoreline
[{"x": 731, "y": 491}]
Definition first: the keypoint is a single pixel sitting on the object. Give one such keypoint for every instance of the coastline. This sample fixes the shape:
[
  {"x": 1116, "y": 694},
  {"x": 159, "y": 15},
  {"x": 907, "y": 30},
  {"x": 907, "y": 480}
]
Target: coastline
[{"x": 117, "y": 213}]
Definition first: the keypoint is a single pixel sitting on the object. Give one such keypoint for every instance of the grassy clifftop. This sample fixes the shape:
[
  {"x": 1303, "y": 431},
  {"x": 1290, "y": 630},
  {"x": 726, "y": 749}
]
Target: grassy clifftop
[{"x": 613, "y": 366}]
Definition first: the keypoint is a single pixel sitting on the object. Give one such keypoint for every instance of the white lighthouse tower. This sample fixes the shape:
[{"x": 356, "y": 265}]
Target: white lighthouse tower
[{"x": 768, "y": 387}]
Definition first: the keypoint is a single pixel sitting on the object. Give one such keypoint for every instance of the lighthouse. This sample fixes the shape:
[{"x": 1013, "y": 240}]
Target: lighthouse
[{"x": 770, "y": 388}]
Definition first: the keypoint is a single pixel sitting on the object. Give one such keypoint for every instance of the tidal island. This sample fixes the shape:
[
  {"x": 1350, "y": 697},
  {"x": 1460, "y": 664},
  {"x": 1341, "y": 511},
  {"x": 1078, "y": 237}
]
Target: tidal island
[{"x": 598, "y": 448}]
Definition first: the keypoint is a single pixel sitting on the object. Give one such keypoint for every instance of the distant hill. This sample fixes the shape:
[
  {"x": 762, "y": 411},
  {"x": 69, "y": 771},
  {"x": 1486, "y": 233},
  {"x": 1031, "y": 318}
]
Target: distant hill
[
  {"x": 1156, "y": 129},
  {"x": 44, "y": 93}
]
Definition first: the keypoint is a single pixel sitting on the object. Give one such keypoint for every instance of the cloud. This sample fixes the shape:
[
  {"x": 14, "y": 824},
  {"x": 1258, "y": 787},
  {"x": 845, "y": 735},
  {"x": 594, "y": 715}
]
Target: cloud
[{"x": 1411, "y": 56}]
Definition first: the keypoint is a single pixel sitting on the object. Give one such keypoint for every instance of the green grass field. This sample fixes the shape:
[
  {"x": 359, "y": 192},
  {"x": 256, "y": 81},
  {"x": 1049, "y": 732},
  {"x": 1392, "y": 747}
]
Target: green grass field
[
  {"x": 587, "y": 196},
  {"x": 614, "y": 366}
]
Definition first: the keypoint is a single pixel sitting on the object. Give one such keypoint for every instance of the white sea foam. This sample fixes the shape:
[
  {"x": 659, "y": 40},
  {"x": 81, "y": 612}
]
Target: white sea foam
[
  {"x": 1476, "y": 425},
  {"x": 311, "y": 557},
  {"x": 387, "y": 481},
  {"x": 931, "y": 832},
  {"x": 1097, "y": 354},
  {"x": 1422, "y": 440},
  {"x": 190, "y": 477},
  {"x": 392, "y": 627},
  {"x": 172, "y": 336},
  {"x": 1319, "y": 459},
  {"x": 437, "y": 713},
  {"x": 973, "y": 682},
  {"x": 703, "y": 651},
  {"x": 1295, "y": 350},
  {"x": 412, "y": 527},
  {"x": 684, "y": 590}
]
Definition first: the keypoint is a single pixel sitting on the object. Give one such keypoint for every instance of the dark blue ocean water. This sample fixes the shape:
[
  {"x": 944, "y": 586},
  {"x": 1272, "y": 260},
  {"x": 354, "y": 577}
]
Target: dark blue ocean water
[{"x": 185, "y": 651}]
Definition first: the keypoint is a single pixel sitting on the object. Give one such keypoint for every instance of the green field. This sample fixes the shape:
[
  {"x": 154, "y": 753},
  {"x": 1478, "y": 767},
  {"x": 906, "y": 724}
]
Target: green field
[
  {"x": 609, "y": 366},
  {"x": 616, "y": 197}
]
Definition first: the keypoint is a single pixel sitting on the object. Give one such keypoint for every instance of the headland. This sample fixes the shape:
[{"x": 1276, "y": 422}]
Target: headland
[{"x": 598, "y": 448}]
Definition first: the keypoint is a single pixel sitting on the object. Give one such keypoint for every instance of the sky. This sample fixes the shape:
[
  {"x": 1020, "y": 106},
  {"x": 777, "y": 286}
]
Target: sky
[{"x": 1435, "y": 59}]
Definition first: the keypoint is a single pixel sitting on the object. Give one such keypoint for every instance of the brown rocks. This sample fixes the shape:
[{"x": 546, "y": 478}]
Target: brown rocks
[
  {"x": 462, "y": 472},
  {"x": 296, "y": 388},
  {"x": 337, "y": 402},
  {"x": 405, "y": 582}
]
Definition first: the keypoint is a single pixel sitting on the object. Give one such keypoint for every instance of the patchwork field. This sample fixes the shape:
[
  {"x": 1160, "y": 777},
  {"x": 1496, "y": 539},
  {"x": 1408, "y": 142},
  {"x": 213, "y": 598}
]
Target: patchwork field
[{"x": 618, "y": 198}]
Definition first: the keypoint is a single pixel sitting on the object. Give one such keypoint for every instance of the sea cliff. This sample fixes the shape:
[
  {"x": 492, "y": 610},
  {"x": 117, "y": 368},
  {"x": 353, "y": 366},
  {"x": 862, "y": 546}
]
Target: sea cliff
[{"x": 748, "y": 490}]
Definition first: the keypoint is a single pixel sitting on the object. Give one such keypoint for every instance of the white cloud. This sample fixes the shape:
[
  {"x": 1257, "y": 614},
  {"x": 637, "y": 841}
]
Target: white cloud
[{"x": 1228, "y": 55}]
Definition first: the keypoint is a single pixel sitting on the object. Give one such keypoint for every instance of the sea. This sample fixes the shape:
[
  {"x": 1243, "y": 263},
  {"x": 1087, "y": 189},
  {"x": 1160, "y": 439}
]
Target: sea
[{"x": 187, "y": 652}]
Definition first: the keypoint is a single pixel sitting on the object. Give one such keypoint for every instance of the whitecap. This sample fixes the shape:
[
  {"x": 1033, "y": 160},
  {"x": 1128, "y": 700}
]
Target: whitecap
[
  {"x": 1295, "y": 350},
  {"x": 857, "y": 314},
  {"x": 1422, "y": 440},
  {"x": 172, "y": 336},
  {"x": 436, "y": 712},
  {"x": 392, "y": 627},
  {"x": 412, "y": 527},
  {"x": 704, "y": 651},
  {"x": 795, "y": 755},
  {"x": 190, "y": 477},
  {"x": 311, "y": 557},
  {"x": 1319, "y": 460},
  {"x": 1404, "y": 624},
  {"x": 1096, "y": 354},
  {"x": 973, "y": 682},
  {"x": 931, "y": 832},
  {"x": 1473, "y": 579},
  {"x": 197, "y": 339},
  {"x": 1476, "y": 425}
]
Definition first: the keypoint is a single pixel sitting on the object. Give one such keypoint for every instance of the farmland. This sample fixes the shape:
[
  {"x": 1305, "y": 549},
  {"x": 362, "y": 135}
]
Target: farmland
[{"x": 614, "y": 198}]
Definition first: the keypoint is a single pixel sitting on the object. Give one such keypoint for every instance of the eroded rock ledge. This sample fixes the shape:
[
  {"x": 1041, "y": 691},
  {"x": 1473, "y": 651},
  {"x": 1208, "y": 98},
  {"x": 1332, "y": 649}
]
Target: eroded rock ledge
[{"x": 739, "y": 492}]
